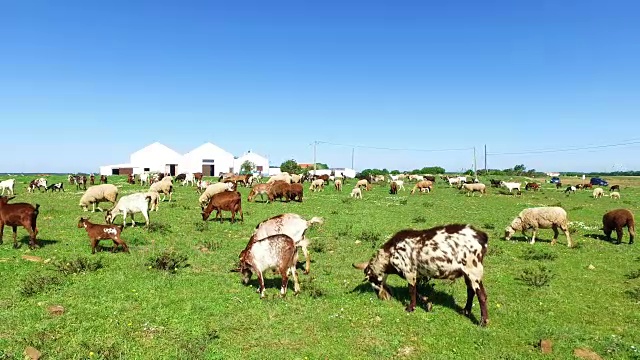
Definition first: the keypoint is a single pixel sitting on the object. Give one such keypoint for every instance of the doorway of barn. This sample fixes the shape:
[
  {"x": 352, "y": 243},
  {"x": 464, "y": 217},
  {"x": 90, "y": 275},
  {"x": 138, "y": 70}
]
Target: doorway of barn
[
  {"x": 172, "y": 169},
  {"x": 208, "y": 170}
]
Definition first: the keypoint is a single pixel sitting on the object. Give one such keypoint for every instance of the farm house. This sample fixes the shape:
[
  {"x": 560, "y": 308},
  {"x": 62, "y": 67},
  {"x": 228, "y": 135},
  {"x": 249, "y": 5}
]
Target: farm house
[
  {"x": 261, "y": 163},
  {"x": 152, "y": 158},
  {"x": 209, "y": 159}
]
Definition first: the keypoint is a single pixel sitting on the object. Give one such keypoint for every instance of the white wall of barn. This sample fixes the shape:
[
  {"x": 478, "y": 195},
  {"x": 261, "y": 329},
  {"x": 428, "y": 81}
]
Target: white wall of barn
[
  {"x": 256, "y": 159},
  {"x": 155, "y": 157},
  {"x": 193, "y": 160}
]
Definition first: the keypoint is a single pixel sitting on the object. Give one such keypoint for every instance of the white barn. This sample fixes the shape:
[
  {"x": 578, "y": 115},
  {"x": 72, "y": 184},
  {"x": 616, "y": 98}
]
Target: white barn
[
  {"x": 152, "y": 158},
  {"x": 261, "y": 163},
  {"x": 209, "y": 159}
]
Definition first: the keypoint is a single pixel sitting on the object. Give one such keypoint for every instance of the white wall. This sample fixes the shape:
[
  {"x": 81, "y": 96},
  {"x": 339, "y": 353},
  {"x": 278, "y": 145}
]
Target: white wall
[
  {"x": 274, "y": 171},
  {"x": 192, "y": 161},
  {"x": 155, "y": 157},
  {"x": 256, "y": 159}
]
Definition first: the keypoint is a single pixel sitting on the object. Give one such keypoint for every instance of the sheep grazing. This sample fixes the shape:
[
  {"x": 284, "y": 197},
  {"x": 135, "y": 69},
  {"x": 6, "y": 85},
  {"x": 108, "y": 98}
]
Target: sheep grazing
[
  {"x": 53, "y": 187},
  {"x": 213, "y": 189},
  {"x": 259, "y": 189},
  {"x": 356, "y": 193},
  {"x": 296, "y": 191},
  {"x": 614, "y": 187},
  {"x": 511, "y": 185},
  {"x": 444, "y": 252},
  {"x": 292, "y": 225},
  {"x": 129, "y": 204},
  {"x": 97, "y": 194},
  {"x": 617, "y": 219},
  {"x": 163, "y": 187},
  {"x": 99, "y": 232},
  {"x": 338, "y": 184},
  {"x": 317, "y": 185},
  {"x": 424, "y": 184},
  {"x": 393, "y": 188},
  {"x": 471, "y": 189},
  {"x": 19, "y": 214},
  {"x": 362, "y": 182},
  {"x": 615, "y": 195},
  {"x": 7, "y": 185},
  {"x": 545, "y": 217},
  {"x": 227, "y": 201},
  {"x": 103, "y": 179},
  {"x": 280, "y": 177},
  {"x": 279, "y": 190},
  {"x": 598, "y": 193},
  {"x": 571, "y": 189},
  {"x": 273, "y": 252}
]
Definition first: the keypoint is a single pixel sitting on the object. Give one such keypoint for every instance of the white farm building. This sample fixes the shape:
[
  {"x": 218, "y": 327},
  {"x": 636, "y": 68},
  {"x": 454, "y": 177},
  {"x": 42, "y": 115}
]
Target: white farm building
[{"x": 207, "y": 158}]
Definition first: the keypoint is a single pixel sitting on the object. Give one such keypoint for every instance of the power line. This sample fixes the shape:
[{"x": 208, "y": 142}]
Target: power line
[
  {"x": 628, "y": 142},
  {"x": 393, "y": 149}
]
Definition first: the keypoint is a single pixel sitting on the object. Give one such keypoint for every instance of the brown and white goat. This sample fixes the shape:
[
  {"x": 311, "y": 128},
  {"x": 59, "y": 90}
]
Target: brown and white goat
[
  {"x": 226, "y": 200},
  {"x": 19, "y": 214},
  {"x": 273, "y": 252},
  {"x": 99, "y": 232},
  {"x": 443, "y": 252},
  {"x": 293, "y": 225}
]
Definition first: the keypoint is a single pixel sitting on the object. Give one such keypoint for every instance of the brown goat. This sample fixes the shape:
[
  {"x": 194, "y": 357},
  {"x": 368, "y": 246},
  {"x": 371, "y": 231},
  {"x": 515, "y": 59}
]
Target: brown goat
[
  {"x": 92, "y": 180},
  {"x": 279, "y": 190},
  {"x": 99, "y": 232},
  {"x": 226, "y": 200},
  {"x": 393, "y": 188},
  {"x": 19, "y": 214},
  {"x": 103, "y": 179},
  {"x": 295, "y": 192},
  {"x": 618, "y": 219},
  {"x": 258, "y": 189}
]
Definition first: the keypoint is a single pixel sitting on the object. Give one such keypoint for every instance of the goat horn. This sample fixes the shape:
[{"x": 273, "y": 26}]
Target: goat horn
[{"x": 360, "y": 266}]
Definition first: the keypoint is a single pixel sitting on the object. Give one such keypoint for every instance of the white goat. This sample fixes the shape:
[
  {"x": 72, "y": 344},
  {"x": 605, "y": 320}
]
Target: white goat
[
  {"x": 511, "y": 185},
  {"x": 7, "y": 184},
  {"x": 130, "y": 204}
]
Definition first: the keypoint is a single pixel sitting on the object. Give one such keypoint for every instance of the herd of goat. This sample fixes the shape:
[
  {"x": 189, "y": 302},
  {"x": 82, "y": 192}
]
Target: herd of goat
[{"x": 443, "y": 252}]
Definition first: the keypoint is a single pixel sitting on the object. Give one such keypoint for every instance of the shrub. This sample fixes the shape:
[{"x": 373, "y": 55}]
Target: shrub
[
  {"x": 346, "y": 230},
  {"x": 634, "y": 294},
  {"x": 538, "y": 254},
  {"x": 370, "y": 237},
  {"x": 633, "y": 275},
  {"x": 35, "y": 284},
  {"x": 168, "y": 260},
  {"x": 308, "y": 285},
  {"x": 78, "y": 265},
  {"x": 159, "y": 228},
  {"x": 202, "y": 226},
  {"x": 536, "y": 276},
  {"x": 419, "y": 219},
  {"x": 211, "y": 245}
]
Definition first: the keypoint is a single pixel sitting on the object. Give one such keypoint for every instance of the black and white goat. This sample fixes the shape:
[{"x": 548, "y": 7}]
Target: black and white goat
[
  {"x": 53, "y": 187},
  {"x": 443, "y": 252}
]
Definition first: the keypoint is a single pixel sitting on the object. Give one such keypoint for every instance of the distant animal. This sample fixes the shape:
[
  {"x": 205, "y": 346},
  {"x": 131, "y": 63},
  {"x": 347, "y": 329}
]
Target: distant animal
[
  {"x": 92, "y": 180},
  {"x": 81, "y": 182},
  {"x": 57, "y": 186},
  {"x": 571, "y": 189},
  {"x": 40, "y": 183},
  {"x": 495, "y": 183},
  {"x": 103, "y": 179},
  {"x": 598, "y": 193},
  {"x": 615, "y": 195},
  {"x": 393, "y": 188},
  {"x": 614, "y": 187},
  {"x": 356, "y": 193},
  {"x": 532, "y": 186}
]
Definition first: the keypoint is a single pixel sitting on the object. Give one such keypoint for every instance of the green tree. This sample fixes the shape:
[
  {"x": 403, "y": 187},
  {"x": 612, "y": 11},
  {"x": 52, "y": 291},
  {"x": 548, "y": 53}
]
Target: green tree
[
  {"x": 247, "y": 167},
  {"x": 321, "y": 166},
  {"x": 290, "y": 166}
]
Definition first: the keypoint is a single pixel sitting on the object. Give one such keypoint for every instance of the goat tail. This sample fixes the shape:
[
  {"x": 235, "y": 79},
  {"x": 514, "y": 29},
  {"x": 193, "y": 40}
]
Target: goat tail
[{"x": 315, "y": 220}]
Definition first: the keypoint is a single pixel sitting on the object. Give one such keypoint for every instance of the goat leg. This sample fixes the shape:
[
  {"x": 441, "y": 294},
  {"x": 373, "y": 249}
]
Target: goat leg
[
  {"x": 15, "y": 237},
  {"x": 412, "y": 304}
]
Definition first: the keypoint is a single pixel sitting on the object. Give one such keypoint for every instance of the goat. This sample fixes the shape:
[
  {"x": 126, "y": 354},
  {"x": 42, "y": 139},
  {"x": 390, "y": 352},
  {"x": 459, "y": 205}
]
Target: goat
[
  {"x": 92, "y": 180},
  {"x": 81, "y": 182},
  {"x": 614, "y": 187},
  {"x": 442, "y": 252},
  {"x": 57, "y": 186},
  {"x": 532, "y": 186},
  {"x": 130, "y": 204},
  {"x": 8, "y": 185},
  {"x": 259, "y": 189},
  {"x": 99, "y": 232},
  {"x": 571, "y": 189},
  {"x": 19, "y": 214},
  {"x": 273, "y": 252},
  {"x": 511, "y": 185},
  {"x": 279, "y": 190},
  {"x": 356, "y": 193},
  {"x": 393, "y": 188},
  {"x": 103, "y": 179},
  {"x": 226, "y": 200},
  {"x": 618, "y": 219},
  {"x": 495, "y": 183},
  {"x": 37, "y": 183},
  {"x": 420, "y": 185}
]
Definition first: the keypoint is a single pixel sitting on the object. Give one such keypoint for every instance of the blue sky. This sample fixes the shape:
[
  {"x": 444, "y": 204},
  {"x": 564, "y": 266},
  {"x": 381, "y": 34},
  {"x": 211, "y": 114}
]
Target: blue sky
[{"x": 84, "y": 84}]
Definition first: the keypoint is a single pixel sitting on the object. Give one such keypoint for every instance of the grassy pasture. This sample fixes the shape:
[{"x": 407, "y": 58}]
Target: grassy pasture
[{"x": 121, "y": 308}]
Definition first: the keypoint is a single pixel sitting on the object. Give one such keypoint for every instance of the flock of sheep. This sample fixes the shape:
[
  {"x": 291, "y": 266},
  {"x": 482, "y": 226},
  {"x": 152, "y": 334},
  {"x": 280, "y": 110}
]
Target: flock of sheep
[{"x": 444, "y": 252}]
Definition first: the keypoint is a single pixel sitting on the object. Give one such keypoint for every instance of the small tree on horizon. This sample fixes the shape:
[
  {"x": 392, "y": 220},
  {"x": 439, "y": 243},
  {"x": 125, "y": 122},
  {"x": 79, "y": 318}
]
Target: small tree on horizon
[
  {"x": 247, "y": 166},
  {"x": 290, "y": 166}
]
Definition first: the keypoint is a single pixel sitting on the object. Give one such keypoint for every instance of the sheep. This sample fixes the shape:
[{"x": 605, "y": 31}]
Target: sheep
[
  {"x": 226, "y": 200},
  {"x": 544, "y": 217},
  {"x": 614, "y": 187},
  {"x": 615, "y": 195},
  {"x": 282, "y": 176},
  {"x": 97, "y": 194},
  {"x": 19, "y": 214},
  {"x": 213, "y": 189},
  {"x": 296, "y": 191},
  {"x": 424, "y": 184},
  {"x": 511, "y": 185},
  {"x": 598, "y": 193},
  {"x": 443, "y": 252},
  {"x": 154, "y": 199},
  {"x": 99, "y": 232},
  {"x": 295, "y": 178},
  {"x": 317, "y": 185},
  {"x": 8, "y": 185},
  {"x": 618, "y": 219},
  {"x": 53, "y": 187},
  {"x": 338, "y": 184},
  {"x": 356, "y": 193},
  {"x": 393, "y": 188},
  {"x": 129, "y": 204},
  {"x": 293, "y": 225},
  {"x": 163, "y": 187},
  {"x": 273, "y": 252},
  {"x": 259, "y": 189},
  {"x": 472, "y": 188},
  {"x": 362, "y": 182}
]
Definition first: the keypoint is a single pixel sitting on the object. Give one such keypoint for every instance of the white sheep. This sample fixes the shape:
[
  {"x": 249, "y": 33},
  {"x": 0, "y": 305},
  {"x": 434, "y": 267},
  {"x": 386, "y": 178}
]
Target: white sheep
[
  {"x": 615, "y": 195},
  {"x": 282, "y": 176},
  {"x": 97, "y": 194},
  {"x": 163, "y": 187},
  {"x": 129, "y": 204},
  {"x": 212, "y": 190},
  {"x": 154, "y": 199},
  {"x": 362, "y": 182},
  {"x": 356, "y": 193},
  {"x": 317, "y": 185},
  {"x": 545, "y": 217},
  {"x": 472, "y": 188},
  {"x": 598, "y": 193},
  {"x": 7, "y": 184}
]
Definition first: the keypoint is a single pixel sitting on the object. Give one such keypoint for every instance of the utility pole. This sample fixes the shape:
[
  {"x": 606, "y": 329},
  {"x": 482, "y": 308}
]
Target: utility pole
[
  {"x": 475, "y": 167},
  {"x": 485, "y": 159},
  {"x": 353, "y": 150},
  {"x": 315, "y": 143}
]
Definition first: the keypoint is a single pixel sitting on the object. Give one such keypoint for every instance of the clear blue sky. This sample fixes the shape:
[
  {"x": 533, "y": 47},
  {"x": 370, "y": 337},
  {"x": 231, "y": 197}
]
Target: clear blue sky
[{"x": 85, "y": 83}]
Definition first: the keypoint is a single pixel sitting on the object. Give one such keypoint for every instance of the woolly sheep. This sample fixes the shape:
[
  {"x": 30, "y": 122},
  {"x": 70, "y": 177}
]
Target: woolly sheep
[
  {"x": 615, "y": 195},
  {"x": 282, "y": 176},
  {"x": 212, "y": 190},
  {"x": 97, "y": 194},
  {"x": 598, "y": 193},
  {"x": 472, "y": 188},
  {"x": 544, "y": 217},
  {"x": 356, "y": 193},
  {"x": 162, "y": 187}
]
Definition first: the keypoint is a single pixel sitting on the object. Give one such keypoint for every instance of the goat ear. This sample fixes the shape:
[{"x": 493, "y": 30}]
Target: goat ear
[{"x": 360, "y": 266}]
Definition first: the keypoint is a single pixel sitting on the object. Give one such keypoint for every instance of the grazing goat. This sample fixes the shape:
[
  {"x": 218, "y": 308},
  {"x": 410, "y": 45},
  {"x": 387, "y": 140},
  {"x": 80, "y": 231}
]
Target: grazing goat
[
  {"x": 614, "y": 187},
  {"x": 558, "y": 185},
  {"x": 273, "y": 252},
  {"x": 618, "y": 219},
  {"x": 511, "y": 185},
  {"x": 598, "y": 193},
  {"x": 188, "y": 179},
  {"x": 424, "y": 184},
  {"x": 103, "y": 179},
  {"x": 532, "y": 186},
  {"x": 296, "y": 192},
  {"x": 227, "y": 201},
  {"x": 495, "y": 183},
  {"x": 53, "y": 187},
  {"x": 40, "y": 183},
  {"x": 81, "y": 182},
  {"x": 587, "y": 186},
  {"x": 259, "y": 189},
  {"x": 356, "y": 193},
  {"x": 400, "y": 184},
  {"x": 8, "y": 185},
  {"x": 213, "y": 189},
  {"x": 130, "y": 204},
  {"x": 571, "y": 189},
  {"x": 99, "y": 232},
  {"x": 144, "y": 179},
  {"x": 293, "y": 225},
  {"x": 393, "y": 188},
  {"x": 472, "y": 188},
  {"x": 19, "y": 214},
  {"x": 92, "y": 180},
  {"x": 544, "y": 217},
  {"x": 443, "y": 252},
  {"x": 279, "y": 190}
]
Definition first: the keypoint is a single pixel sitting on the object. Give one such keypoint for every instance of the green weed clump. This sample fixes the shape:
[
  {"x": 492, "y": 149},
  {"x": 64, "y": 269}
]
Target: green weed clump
[{"x": 168, "y": 260}]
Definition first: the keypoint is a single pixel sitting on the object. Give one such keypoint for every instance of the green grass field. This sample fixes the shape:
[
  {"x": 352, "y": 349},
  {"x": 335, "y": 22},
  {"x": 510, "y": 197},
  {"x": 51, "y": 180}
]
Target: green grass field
[{"x": 120, "y": 307}]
